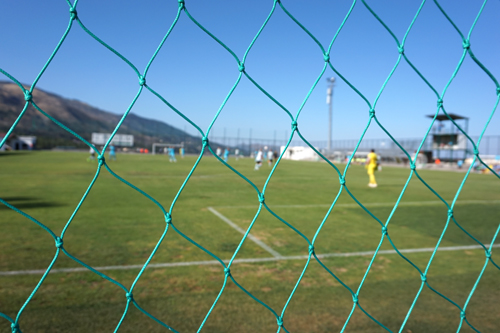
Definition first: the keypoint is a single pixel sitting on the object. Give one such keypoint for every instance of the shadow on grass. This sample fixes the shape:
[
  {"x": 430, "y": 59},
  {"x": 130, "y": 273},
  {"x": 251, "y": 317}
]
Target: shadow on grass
[{"x": 27, "y": 202}]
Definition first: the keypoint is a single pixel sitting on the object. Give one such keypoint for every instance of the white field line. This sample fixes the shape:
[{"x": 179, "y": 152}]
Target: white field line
[
  {"x": 242, "y": 231},
  {"x": 375, "y": 204},
  {"x": 243, "y": 260}
]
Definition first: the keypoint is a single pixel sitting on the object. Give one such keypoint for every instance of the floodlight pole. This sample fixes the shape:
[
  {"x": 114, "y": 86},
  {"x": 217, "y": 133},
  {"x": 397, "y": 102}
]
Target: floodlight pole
[{"x": 329, "y": 94}]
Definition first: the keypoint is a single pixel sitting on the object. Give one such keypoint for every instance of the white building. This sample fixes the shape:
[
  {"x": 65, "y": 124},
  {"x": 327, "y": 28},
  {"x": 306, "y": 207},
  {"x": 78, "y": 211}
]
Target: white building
[
  {"x": 2, "y": 135},
  {"x": 299, "y": 153},
  {"x": 23, "y": 143}
]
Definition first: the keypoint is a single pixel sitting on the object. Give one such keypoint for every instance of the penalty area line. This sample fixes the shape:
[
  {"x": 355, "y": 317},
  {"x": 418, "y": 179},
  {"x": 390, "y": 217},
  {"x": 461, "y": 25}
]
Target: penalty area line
[
  {"x": 243, "y": 260},
  {"x": 375, "y": 204},
  {"x": 242, "y": 231}
]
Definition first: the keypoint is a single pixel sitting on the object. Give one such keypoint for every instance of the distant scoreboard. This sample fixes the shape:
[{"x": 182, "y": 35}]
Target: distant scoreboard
[{"x": 121, "y": 140}]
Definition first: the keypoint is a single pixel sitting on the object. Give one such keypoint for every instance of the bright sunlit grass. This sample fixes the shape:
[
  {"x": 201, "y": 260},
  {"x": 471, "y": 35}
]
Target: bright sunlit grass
[{"x": 118, "y": 226}]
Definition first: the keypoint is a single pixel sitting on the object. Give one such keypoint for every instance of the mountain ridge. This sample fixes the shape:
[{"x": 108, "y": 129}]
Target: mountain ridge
[{"x": 82, "y": 118}]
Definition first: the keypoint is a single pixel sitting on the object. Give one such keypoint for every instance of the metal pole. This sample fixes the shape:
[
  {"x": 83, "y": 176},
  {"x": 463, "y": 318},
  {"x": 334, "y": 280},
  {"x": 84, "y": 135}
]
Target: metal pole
[
  {"x": 330, "y": 127},
  {"x": 466, "y": 141},
  {"x": 329, "y": 94}
]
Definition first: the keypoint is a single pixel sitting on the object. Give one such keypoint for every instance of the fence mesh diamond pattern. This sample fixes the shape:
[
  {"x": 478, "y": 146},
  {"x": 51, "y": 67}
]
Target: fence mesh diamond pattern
[{"x": 241, "y": 72}]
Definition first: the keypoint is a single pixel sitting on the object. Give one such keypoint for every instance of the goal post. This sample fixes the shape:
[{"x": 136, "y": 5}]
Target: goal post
[{"x": 157, "y": 146}]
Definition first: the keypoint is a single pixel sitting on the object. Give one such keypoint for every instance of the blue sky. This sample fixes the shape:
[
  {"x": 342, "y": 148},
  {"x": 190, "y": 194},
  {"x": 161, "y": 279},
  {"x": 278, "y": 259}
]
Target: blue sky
[{"x": 194, "y": 73}]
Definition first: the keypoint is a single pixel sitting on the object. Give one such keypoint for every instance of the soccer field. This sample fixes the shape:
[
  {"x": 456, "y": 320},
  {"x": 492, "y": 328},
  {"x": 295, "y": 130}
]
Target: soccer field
[{"x": 117, "y": 228}]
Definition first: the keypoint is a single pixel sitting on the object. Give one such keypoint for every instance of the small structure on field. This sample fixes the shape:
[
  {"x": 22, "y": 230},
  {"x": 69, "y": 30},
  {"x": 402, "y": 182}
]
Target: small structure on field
[
  {"x": 299, "y": 153},
  {"x": 23, "y": 143},
  {"x": 2, "y": 135}
]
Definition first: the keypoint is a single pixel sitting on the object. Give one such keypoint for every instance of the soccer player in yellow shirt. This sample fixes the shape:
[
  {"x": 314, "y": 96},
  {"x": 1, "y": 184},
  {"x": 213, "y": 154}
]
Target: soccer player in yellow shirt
[{"x": 371, "y": 166}]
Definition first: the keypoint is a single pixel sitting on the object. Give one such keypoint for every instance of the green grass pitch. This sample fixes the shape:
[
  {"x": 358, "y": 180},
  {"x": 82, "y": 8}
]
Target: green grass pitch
[{"x": 117, "y": 226}]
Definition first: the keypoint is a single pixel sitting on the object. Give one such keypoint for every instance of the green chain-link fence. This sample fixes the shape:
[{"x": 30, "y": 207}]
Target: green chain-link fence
[{"x": 371, "y": 120}]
